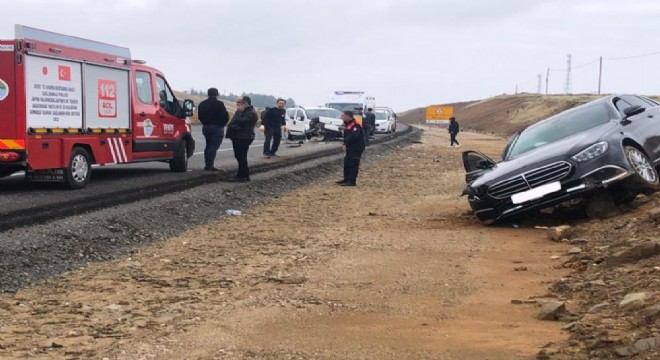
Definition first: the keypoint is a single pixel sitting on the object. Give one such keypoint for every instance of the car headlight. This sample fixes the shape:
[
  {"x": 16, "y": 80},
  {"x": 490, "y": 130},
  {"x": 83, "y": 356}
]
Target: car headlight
[{"x": 591, "y": 152}]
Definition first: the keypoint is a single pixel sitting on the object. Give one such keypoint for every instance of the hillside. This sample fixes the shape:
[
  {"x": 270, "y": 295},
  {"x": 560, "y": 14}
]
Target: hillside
[
  {"x": 231, "y": 107},
  {"x": 504, "y": 114}
]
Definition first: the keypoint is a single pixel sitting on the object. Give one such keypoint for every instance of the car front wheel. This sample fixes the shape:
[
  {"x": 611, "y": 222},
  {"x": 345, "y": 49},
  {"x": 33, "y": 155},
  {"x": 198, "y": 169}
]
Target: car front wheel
[{"x": 646, "y": 176}]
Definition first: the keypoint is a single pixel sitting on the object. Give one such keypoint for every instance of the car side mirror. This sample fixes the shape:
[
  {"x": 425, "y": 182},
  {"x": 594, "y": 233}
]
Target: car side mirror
[
  {"x": 188, "y": 107},
  {"x": 632, "y": 111},
  {"x": 301, "y": 118}
]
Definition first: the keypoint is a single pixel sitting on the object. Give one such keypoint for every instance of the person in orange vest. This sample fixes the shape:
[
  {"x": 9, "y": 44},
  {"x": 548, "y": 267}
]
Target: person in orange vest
[{"x": 354, "y": 147}]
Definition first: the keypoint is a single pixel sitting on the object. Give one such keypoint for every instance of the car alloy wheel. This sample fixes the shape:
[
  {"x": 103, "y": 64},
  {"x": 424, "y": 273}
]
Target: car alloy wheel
[
  {"x": 79, "y": 168},
  {"x": 642, "y": 165}
]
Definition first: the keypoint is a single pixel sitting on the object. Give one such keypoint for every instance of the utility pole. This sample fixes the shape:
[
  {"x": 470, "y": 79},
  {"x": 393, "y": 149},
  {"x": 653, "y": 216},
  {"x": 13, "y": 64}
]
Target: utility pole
[
  {"x": 547, "y": 77},
  {"x": 567, "y": 86},
  {"x": 600, "y": 74},
  {"x": 516, "y": 89}
]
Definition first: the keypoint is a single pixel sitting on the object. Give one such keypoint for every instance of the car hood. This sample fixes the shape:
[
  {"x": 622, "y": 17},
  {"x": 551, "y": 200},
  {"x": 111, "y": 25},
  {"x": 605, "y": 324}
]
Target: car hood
[
  {"x": 381, "y": 121},
  {"x": 558, "y": 150},
  {"x": 329, "y": 120}
]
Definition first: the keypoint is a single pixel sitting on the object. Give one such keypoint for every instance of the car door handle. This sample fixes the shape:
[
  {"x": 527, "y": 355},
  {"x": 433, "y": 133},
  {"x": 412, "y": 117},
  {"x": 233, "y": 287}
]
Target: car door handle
[
  {"x": 161, "y": 114},
  {"x": 649, "y": 116},
  {"x": 143, "y": 114}
]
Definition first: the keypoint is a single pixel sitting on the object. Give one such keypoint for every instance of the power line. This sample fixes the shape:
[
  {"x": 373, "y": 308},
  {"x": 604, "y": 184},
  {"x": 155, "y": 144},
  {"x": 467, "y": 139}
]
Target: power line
[
  {"x": 598, "y": 60},
  {"x": 633, "y": 56}
]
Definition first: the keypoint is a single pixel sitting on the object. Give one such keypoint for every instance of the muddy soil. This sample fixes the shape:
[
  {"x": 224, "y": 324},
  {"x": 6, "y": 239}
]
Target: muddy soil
[{"x": 395, "y": 268}]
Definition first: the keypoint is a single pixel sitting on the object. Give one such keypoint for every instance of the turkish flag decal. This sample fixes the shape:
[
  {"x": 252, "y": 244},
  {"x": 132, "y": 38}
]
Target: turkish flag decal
[{"x": 64, "y": 72}]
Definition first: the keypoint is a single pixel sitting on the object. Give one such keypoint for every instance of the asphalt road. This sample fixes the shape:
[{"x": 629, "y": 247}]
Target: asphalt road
[{"x": 18, "y": 195}]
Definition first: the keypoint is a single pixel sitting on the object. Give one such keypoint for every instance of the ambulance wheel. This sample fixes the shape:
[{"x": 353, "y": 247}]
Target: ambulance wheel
[
  {"x": 79, "y": 170},
  {"x": 179, "y": 162}
]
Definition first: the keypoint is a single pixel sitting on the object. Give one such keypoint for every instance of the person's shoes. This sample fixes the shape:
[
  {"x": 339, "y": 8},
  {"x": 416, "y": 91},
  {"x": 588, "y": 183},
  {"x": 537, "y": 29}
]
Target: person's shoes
[
  {"x": 239, "y": 179},
  {"x": 339, "y": 182},
  {"x": 348, "y": 183},
  {"x": 267, "y": 154},
  {"x": 274, "y": 154},
  {"x": 459, "y": 145},
  {"x": 211, "y": 168}
]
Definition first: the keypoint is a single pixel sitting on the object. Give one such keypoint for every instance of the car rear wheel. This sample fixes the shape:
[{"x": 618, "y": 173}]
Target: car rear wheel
[
  {"x": 79, "y": 170},
  {"x": 645, "y": 177}
]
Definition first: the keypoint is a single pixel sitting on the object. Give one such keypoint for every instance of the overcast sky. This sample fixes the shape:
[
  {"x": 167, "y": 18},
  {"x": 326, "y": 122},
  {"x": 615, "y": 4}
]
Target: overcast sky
[{"x": 406, "y": 53}]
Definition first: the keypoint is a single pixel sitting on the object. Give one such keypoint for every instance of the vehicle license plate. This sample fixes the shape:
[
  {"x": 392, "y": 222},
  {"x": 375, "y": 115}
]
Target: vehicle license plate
[{"x": 536, "y": 193}]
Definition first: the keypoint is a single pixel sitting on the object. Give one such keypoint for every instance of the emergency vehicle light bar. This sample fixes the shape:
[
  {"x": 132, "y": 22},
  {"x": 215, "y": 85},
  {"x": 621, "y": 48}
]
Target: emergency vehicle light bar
[{"x": 24, "y": 32}]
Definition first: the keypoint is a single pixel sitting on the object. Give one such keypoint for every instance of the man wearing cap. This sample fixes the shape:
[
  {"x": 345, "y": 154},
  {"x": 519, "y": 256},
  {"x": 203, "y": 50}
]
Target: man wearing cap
[
  {"x": 214, "y": 117},
  {"x": 354, "y": 147},
  {"x": 453, "y": 131}
]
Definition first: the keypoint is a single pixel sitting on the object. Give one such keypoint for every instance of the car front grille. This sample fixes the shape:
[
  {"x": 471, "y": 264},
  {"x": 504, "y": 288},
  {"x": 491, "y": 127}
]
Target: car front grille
[{"x": 531, "y": 179}]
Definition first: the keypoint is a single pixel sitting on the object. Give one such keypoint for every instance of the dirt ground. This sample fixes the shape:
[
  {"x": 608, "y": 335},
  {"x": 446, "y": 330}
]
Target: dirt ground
[{"x": 395, "y": 268}]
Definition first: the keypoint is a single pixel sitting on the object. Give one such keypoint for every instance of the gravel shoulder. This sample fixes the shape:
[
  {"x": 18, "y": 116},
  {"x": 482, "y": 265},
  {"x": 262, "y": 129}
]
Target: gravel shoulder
[{"x": 395, "y": 268}]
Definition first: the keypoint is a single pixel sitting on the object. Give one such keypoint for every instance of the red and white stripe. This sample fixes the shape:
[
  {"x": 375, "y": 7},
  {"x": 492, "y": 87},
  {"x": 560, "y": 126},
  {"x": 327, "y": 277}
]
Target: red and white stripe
[{"x": 117, "y": 150}]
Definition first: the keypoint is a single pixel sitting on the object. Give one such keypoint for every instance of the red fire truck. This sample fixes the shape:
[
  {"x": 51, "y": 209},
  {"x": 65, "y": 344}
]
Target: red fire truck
[{"x": 68, "y": 103}]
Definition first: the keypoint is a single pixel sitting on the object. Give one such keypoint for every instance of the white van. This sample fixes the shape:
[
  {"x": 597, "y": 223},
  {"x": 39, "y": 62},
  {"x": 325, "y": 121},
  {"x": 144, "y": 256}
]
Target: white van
[
  {"x": 299, "y": 119},
  {"x": 385, "y": 120}
]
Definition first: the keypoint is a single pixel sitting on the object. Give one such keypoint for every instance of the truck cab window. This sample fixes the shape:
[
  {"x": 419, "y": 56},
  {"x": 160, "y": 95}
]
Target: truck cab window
[
  {"x": 166, "y": 97},
  {"x": 143, "y": 85}
]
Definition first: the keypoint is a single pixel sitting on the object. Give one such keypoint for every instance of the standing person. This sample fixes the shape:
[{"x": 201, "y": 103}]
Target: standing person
[
  {"x": 354, "y": 147},
  {"x": 214, "y": 117},
  {"x": 241, "y": 132},
  {"x": 454, "y": 128},
  {"x": 369, "y": 125},
  {"x": 273, "y": 121}
]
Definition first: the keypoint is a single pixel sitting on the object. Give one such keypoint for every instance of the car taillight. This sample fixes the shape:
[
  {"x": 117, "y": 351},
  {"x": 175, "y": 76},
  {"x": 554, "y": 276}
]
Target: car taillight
[{"x": 9, "y": 156}]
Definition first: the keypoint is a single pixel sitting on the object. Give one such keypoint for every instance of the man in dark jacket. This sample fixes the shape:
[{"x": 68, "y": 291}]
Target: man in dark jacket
[
  {"x": 241, "y": 132},
  {"x": 369, "y": 125},
  {"x": 354, "y": 147},
  {"x": 273, "y": 121},
  {"x": 453, "y": 131},
  {"x": 214, "y": 116}
]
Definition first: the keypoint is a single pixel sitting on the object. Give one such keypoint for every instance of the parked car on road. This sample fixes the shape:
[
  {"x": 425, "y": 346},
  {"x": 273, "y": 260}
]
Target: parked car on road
[
  {"x": 385, "y": 121},
  {"x": 611, "y": 144}
]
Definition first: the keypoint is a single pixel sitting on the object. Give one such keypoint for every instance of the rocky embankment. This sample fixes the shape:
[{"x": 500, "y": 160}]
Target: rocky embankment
[{"x": 611, "y": 301}]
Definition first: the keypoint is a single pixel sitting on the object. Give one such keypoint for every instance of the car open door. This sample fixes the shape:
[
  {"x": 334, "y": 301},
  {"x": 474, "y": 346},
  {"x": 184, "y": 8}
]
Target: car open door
[{"x": 476, "y": 164}]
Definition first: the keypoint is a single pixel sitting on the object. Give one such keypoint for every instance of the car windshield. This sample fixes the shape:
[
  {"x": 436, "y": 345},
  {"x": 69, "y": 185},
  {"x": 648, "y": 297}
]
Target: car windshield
[
  {"x": 331, "y": 113},
  {"x": 346, "y": 106},
  {"x": 381, "y": 115},
  {"x": 558, "y": 127}
]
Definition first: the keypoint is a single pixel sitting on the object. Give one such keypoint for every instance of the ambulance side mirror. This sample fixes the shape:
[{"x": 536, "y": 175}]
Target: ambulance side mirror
[{"x": 188, "y": 107}]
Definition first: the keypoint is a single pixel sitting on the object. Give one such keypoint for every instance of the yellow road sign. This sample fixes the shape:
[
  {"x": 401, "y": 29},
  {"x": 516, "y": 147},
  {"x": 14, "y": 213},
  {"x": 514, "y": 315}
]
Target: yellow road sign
[{"x": 436, "y": 113}]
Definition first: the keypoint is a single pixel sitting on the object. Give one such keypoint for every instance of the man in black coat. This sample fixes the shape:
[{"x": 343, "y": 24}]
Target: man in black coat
[
  {"x": 369, "y": 125},
  {"x": 354, "y": 147},
  {"x": 273, "y": 121},
  {"x": 454, "y": 128},
  {"x": 241, "y": 132},
  {"x": 214, "y": 116}
]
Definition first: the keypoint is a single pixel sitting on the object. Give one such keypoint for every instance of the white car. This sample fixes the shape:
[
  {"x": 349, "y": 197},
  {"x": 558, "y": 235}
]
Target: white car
[
  {"x": 385, "y": 121},
  {"x": 300, "y": 120}
]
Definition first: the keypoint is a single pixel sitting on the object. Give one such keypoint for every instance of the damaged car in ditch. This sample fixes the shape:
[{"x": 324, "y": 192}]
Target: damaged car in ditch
[{"x": 607, "y": 145}]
